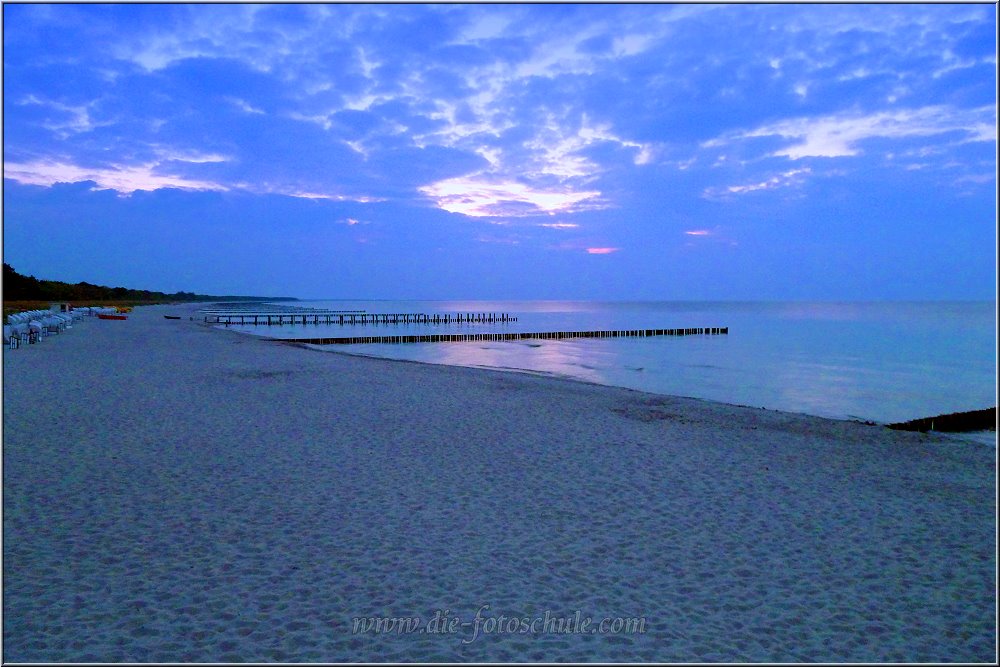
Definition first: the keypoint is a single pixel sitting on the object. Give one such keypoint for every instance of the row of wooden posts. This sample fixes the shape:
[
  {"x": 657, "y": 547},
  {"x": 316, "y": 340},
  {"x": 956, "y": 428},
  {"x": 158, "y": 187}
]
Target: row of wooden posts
[
  {"x": 448, "y": 338},
  {"x": 332, "y": 317}
]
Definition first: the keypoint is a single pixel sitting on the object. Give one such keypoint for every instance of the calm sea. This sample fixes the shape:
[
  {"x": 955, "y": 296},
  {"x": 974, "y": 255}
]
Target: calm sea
[{"x": 881, "y": 361}]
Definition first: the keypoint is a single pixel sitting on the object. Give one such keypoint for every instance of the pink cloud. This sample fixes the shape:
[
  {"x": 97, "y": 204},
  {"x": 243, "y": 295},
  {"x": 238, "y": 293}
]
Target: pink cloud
[
  {"x": 124, "y": 179},
  {"x": 315, "y": 195},
  {"x": 698, "y": 232},
  {"x": 602, "y": 251},
  {"x": 477, "y": 197}
]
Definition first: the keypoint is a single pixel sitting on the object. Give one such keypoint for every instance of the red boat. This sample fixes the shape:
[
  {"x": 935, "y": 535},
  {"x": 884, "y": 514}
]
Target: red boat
[{"x": 109, "y": 316}]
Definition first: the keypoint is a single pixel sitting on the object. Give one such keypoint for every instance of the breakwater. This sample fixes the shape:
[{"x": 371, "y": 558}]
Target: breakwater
[{"x": 549, "y": 335}]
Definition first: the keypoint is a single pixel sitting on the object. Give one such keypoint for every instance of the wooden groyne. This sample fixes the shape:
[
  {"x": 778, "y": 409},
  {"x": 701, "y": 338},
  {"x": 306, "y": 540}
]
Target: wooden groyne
[
  {"x": 454, "y": 338},
  {"x": 354, "y": 317},
  {"x": 956, "y": 422}
]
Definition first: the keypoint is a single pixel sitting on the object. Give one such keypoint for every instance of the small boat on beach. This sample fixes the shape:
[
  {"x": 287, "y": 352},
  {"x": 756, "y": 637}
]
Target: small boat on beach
[
  {"x": 109, "y": 316},
  {"x": 171, "y": 317}
]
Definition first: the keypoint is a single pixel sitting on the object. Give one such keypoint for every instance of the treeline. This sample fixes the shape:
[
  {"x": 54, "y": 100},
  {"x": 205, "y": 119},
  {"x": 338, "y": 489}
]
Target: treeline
[{"x": 17, "y": 287}]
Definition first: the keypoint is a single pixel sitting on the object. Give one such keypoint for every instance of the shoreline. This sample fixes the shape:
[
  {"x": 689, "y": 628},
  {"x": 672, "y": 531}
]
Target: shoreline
[
  {"x": 837, "y": 371},
  {"x": 975, "y": 433},
  {"x": 209, "y": 497}
]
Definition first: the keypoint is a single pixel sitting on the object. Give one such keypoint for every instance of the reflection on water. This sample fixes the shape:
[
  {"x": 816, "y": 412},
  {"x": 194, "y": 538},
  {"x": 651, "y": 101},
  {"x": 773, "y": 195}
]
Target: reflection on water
[
  {"x": 884, "y": 362},
  {"x": 565, "y": 360}
]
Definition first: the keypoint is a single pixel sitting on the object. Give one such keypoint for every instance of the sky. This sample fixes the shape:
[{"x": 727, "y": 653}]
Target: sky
[{"x": 619, "y": 152}]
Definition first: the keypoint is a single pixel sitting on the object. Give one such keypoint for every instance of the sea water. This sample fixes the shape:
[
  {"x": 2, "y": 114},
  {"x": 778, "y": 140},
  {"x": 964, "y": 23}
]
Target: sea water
[{"x": 878, "y": 361}]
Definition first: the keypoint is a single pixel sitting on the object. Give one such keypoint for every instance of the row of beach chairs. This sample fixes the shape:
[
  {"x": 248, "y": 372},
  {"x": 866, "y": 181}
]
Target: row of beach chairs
[{"x": 34, "y": 325}]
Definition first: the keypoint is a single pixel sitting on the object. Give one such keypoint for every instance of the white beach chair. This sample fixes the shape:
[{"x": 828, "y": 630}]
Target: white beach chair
[
  {"x": 11, "y": 338},
  {"x": 20, "y": 331},
  {"x": 61, "y": 322},
  {"x": 35, "y": 331}
]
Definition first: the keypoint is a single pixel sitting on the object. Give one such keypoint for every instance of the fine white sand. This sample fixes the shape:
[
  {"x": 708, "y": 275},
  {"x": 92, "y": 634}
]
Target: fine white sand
[{"x": 177, "y": 493}]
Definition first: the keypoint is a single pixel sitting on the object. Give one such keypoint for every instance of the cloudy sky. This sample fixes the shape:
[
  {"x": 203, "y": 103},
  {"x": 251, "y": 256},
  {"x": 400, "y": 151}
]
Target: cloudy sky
[{"x": 504, "y": 151}]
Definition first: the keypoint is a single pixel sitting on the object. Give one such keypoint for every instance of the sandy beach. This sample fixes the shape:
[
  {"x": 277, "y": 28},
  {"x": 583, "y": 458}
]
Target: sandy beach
[{"x": 178, "y": 493}]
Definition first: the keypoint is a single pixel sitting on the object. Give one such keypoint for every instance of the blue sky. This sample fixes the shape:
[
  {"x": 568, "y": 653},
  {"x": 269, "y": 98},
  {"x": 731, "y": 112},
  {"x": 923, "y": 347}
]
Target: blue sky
[{"x": 505, "y": 151}]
